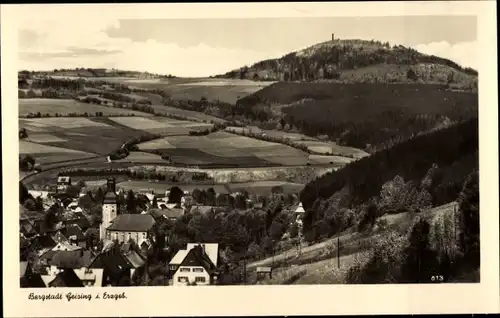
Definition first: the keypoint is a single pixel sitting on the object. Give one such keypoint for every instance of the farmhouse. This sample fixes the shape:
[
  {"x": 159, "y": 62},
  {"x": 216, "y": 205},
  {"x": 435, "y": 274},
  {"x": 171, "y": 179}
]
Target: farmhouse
[
  {"x": 196, "y": 265},
  {"x": 127, "y": 227},
  {"x": 63, "y": 182}
]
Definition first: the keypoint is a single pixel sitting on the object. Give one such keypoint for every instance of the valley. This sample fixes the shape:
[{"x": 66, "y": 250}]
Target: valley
[{"x": 347, "y": 142}]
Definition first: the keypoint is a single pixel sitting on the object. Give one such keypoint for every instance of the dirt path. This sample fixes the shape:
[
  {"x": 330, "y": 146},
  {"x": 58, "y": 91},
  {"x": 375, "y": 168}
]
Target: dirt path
[{"x": 293, "y": 251}]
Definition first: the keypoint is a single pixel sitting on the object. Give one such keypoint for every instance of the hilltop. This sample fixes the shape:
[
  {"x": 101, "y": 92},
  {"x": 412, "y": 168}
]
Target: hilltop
[{"x": 359, "y": 61}]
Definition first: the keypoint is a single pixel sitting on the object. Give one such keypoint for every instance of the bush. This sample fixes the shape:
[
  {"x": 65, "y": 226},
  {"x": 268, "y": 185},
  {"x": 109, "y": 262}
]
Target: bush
[{"x": 384, "y": 262}]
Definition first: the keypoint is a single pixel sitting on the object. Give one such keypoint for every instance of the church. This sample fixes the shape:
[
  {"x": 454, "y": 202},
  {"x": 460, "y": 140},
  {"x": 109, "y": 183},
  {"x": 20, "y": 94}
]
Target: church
[{"x": 122, "y": 227}]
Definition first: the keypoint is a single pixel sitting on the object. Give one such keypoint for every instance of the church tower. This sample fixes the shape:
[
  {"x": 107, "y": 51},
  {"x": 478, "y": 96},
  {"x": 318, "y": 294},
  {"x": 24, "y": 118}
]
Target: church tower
[{"x": 109, "y": 207}]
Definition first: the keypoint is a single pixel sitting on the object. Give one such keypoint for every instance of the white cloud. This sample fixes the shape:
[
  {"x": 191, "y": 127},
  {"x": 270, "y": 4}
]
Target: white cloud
[
  {"x": 464, "y": 53},
  {"x": 58, "y": 35}
]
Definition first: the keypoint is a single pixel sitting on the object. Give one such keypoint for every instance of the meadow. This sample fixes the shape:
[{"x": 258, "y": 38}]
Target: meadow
[
  {"x": 314, "y": 144},
  {"x": 192, "y": 115},
  {"x": 161, "y": 125},
  {"x": 45, "y": 154},
  {"x": 63, "y": 107},
  {"x": 225, "y": 147},
  {"x": 226, "y": 90},
  {"x": 91, "y": 135}
]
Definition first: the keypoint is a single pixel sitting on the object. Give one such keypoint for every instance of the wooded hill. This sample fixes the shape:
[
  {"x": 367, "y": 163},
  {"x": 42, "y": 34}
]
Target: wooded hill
[{"x": 355, "y": 61}]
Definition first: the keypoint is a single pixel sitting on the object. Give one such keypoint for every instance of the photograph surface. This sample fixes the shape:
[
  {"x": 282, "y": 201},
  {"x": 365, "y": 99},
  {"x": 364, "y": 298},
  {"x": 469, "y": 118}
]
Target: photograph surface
[
  {"x": 326, "y": 153},
  {"x": 253, "y": 151}
]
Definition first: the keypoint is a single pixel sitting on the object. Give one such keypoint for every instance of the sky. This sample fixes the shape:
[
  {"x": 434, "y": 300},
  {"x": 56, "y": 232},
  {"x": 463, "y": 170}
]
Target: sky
[{"x": 204, "y": 47}]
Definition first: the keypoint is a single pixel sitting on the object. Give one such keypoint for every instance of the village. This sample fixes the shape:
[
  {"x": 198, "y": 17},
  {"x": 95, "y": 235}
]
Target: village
[{"x": 106, "y": 236}]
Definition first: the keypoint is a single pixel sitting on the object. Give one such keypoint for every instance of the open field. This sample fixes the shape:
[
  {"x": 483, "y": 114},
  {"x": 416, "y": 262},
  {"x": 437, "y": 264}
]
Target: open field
[
  {"x": 49, "y": 154},
  {"x": 173, "y": 111},
  {"x": 161, "y": 125},
  {"x": 265, "y": 187},
  {"x": 226, "y": 90},
  {"x": 64, "y": 107},
  {"x": 92, "y": 135},
  {"x": 142, "y": 157},
  {"x": 226, "y": 147},
  {"x": 158, "y": 187},
  {"x": 313, "y": 144}
]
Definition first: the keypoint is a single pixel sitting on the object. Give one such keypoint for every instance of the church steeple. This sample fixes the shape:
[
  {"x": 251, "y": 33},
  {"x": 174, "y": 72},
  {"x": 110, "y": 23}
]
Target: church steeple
[{"x": 110, "y": 207}]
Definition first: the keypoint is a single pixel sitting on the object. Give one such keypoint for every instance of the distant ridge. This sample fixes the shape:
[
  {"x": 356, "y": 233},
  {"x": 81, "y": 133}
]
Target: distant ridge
[
  {"x": 355, "y": 61},
  {"x": 95, "y": 72}
]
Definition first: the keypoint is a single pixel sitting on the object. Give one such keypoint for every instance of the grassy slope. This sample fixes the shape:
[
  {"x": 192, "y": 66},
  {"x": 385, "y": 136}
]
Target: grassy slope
[{"x": 326, "y": 271}]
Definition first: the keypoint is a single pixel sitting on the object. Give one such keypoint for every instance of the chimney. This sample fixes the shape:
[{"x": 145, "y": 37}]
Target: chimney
[
  {"x": 111, "y": 185},
  {"x": 333, "y": 36}
]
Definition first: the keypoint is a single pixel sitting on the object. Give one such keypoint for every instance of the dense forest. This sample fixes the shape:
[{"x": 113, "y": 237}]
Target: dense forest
[
  {"x": 454, "y": 148},
  {"x": 366, "y": 116},
  {"x": 426, "y": 171}
]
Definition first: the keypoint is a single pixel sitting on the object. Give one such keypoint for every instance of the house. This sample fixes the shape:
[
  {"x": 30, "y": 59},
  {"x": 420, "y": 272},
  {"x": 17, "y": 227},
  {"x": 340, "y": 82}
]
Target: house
[
  {"x": 196, "y": 265},
  {"x": 64, "y": 255},
  {"x": 116, "y": 264},
  {"x": 78, "y": 218},
  {"x": 74, "y": 235},
  {"x": 63, "y": 258},
  {"x": 75, "y": 260},
  {"x": 66, "y": 278},
  {"x": 60, "y": 238},
  {"x": 170, "y": 214},
  {"x": 42, "y": 242},
  {"x": 163, "y": 205},
  {"x": 27, "y": 227},
  {"x": 63, "y": 182},
  {"x": 127, "y": 227},
  {"x": 44, "y": 195},
  {"x": 74, "y": 207},
  {"x": 29, "y": 279}
]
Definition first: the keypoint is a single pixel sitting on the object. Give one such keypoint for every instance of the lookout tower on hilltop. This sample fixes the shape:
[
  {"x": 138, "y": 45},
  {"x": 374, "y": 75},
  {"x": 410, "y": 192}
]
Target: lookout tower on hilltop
[{"x": 333, "y": 37}]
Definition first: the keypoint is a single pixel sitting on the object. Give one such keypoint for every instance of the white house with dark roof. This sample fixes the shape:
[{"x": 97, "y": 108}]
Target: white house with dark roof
[{"x": 196, "y": 265}]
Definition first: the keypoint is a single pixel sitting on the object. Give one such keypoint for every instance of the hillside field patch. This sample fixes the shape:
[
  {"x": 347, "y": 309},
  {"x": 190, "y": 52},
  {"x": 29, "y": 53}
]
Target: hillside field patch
[
  {"x": 90, "y": 135},
  {"x": 64, "y": 107},
  {"x": 160, "y": 125}
]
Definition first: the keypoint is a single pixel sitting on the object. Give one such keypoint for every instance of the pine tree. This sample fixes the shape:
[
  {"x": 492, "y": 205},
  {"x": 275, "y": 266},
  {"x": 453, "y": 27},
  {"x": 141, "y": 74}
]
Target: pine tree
[{"x": 468, "y": 201}]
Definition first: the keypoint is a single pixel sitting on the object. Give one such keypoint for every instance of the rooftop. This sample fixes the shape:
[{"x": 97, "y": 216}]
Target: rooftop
[
  {"x": 132, "y": 223},
  {"x": 66, "y": 278}
]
